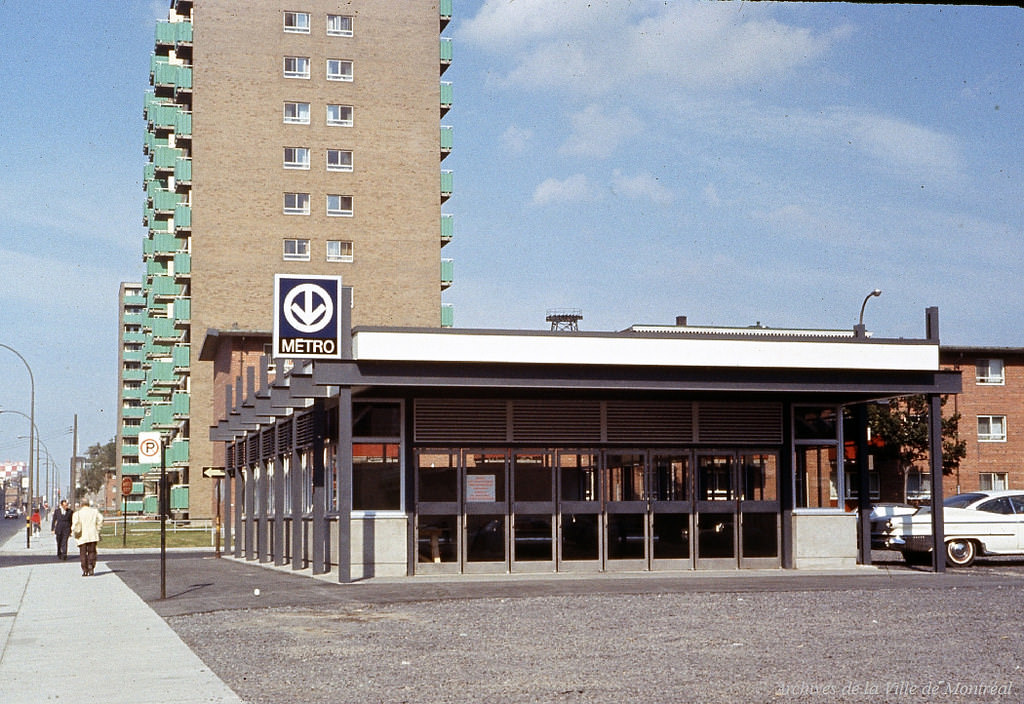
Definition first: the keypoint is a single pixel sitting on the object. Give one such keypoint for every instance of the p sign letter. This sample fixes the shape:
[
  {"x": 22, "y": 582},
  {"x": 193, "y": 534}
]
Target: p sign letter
[{"x": 149, "y": 447}]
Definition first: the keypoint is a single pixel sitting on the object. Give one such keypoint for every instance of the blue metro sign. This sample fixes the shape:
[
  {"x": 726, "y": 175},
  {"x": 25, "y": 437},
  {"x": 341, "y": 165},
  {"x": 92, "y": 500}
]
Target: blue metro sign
[{"x": 307, "y": 316}]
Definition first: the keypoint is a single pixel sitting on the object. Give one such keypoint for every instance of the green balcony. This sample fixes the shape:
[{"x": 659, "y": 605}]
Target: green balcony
[
  {"x": 133, "y": 319},
  {"x": 128, "y": 451},
  {"x": 447, "y": 272},
  {"x": 161, "y": 115},
  {"x": 182, "y": 217},
  {"x": 162, "y": 243},
  {"x": 163, "y": 329},
  {"x": 156, "y": 267},
  {"x": 180, "y": 404},
  {"x": 170, "y": 77},
  {"x": 447, "y": 182},
  {"x": 446, "y": 96},
  {"x": 446, "y": 141},
  {"x": 177, "y": 452},
  {"x": 447, "y": 315},
  {"x": 447, "y": 228},
  {"x": 133, "y": 412},
  {"x": 161, "y": 415},
  {"x": 166, "y": 158},
  {"x": 183, "y": 170},
  {"x": 446, "y": 52},
  {"x": 150, "y": 505},
  {"x": 133, "y": 374},
  {"x": 130, "y": 431},
  {"x": 445, "y": 9},
  {"x": 138, "y": 355},
  {"x": 182, "y": 312},
  {"x": 181, "y": 356},
  {"x": 150, "y": 142},
  {"x": 183, "y": 124},
  {"x": 133, "y": 394},
  {"x": 163, "y": 200},
  {"x": 138, "y": 488},
  {"x": 165, "y": 287},
  {"x": 179, "y": 498},
  {"x": 182, "y": 264},
  {"x": 132, "y": 506}
]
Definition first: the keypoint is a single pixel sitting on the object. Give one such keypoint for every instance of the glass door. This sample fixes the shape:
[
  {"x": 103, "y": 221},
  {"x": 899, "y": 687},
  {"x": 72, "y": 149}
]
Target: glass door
[
  {"x": 671, "y": 510},
  {"x": 626, "y": 511},
  {"x": 579, "y": 511},
  {"x": 438, "y": 512},
  {"x": 485, "y": 493},
  {"x": 533, "y": 511},
  {"x": 717, "y": 510},
  {"x": 759, "y": 510}
]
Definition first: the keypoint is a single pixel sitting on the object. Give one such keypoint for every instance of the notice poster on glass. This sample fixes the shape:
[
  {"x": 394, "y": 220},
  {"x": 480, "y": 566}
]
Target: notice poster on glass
[{"x": 480, "y": 487}]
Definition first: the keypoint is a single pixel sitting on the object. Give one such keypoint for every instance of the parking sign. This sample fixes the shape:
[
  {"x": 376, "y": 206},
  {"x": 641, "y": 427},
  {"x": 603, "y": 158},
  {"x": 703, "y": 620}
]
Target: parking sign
[{"x": 149, "y": 447}]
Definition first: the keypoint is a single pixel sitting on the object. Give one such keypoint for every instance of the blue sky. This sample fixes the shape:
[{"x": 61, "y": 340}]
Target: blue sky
[{"x": 731, "y": 162}]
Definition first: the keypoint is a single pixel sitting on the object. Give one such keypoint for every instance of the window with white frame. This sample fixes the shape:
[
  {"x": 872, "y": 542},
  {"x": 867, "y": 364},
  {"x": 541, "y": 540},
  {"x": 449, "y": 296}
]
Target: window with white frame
[
  {"x": 296, "y": 113},
  {"x": 296, "y": 67},
  {"x": 339, "y": 160},
  {"x": 919, "y": 485},
  {"x": 296, "y": 250},
  {"x": 339, "y": 25},
  {"x": 339, "y": 115},
  {"x": 989, "y": 371},
  {"x": 339, "y": 70},
  {"x": 993, "y": 481},
  {"x": 296, "y": 22},
  {"x": 296, "y": 158},
  {"x": 339, "y": 251},
  {"x": 296, "y": 204},
  {"x": 991, "y": 428},
  {"x": 339, "y": 205}
]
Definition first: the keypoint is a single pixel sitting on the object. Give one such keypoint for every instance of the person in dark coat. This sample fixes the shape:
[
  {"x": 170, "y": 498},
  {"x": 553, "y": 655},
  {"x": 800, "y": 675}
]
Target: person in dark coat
[{"x": 60, "y": 526}]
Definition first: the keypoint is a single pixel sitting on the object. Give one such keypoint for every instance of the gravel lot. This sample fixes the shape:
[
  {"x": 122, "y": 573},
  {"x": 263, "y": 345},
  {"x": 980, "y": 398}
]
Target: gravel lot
[{"x": 900, "y": 644}]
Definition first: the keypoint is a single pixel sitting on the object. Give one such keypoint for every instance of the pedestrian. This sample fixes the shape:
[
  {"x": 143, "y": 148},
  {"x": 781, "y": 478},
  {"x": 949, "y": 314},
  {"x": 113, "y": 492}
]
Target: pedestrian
[
  {"x": 35, "y": 520},
  {"x": 60, "y": 526},
  {"x": 85, "y": 526}
]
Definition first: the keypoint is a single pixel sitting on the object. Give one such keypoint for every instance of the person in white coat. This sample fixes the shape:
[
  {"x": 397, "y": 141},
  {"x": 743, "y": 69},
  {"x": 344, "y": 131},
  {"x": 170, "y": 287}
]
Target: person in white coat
[{"x": 85, "y": 526}]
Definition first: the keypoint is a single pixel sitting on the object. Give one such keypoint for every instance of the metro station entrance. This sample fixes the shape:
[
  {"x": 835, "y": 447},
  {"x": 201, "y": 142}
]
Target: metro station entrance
[{"x": 522, "y": 510}]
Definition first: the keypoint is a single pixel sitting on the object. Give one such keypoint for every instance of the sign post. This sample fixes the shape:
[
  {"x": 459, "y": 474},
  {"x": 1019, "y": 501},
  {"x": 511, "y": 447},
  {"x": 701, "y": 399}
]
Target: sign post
[
  {"x": 151, "y": 449},
  {"x": 126, "y": 488},
  {"x": 218, "y": 474}
]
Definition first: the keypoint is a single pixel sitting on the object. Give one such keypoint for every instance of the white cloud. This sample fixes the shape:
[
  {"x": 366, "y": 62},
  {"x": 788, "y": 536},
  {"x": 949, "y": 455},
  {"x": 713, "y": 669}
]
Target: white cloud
[
  {"x": 596, "y": 48},
  {"x": 515, "y": 139},
  {"x": 574, "y": 189},
  {"x": 640, "y": 186},
  {"x": 597, "y": 131}
]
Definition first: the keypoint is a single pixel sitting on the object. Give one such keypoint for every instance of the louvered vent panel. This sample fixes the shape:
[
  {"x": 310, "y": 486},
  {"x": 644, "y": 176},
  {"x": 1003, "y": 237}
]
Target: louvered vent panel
[
  {"x": 734, "y": 423},
  {"x": 462, "y": 420},
  {"x": 650, "y": 421},
  {"x": 252, "y": 446},
  {"x": 284, "y": 436},
  {"x": 229, "y": 454},
  {"x": 267, "y": 443},
  {"x": 304, "y": 430},
  {"x": 556, "y": 421},
  {"x": 239, "y": 453}
]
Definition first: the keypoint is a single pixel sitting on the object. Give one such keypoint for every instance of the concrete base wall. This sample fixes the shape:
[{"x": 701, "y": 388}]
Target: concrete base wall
[
  {"x": 823, "y": 541},
  {"x": 378, "y": 547}
]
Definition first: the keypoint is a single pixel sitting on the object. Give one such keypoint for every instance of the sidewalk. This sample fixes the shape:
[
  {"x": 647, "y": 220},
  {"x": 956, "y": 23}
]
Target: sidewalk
[{"x": 65, "y": 637}]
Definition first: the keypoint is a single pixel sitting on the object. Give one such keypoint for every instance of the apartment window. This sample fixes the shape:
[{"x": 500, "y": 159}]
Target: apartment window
[
  {"x": 991, "y": 428},
  {"x": 296, "y": 158},
  {"x": 339, "y": 25},
  {"x": 296, "y": 204},
  {"x": 339, "y": 251},
  {"x": 339, "y": 160},
  {"x": 919, "y": 485},
  {"x": 992, "y": 481},
  {"x": 989, "y": 371},
  {"x": 339, "y": 115},
  {"x": 296, "y": 250},
  {"x": 339, "y": 205},
  {"x": 296, "y": 113},
  {"x": 339, "y": 70},
  {"x": 296, "y": 22},
  {"x": 296, "y": 67}
]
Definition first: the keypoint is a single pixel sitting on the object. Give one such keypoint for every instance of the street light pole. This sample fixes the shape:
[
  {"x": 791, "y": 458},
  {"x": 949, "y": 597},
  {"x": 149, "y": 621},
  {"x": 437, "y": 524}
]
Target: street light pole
[
  {"x": 859, "y": 330},
  {"x": 31, "y": 430}
]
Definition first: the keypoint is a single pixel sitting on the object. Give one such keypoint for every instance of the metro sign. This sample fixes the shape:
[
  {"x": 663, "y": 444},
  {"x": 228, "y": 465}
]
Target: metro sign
[{"x": 307, "y": 317}]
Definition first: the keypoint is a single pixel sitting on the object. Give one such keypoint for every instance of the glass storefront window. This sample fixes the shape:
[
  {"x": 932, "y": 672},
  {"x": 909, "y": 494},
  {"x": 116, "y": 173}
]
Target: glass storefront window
[{"x": 376, "y": 477}]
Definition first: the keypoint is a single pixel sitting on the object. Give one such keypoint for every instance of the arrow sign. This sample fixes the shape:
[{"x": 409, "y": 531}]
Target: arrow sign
[{"x": 307, "y": 316}]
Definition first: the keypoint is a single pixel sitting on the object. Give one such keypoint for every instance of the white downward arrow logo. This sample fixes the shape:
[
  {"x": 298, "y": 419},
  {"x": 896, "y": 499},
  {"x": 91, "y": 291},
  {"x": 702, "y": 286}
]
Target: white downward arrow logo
[{"x": 308, "y": 308}]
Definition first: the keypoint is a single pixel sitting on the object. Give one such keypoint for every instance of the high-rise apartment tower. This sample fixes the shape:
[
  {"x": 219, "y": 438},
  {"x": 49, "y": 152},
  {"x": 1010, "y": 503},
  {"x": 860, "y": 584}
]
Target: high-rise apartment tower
[{"x": 284, "y": 137}]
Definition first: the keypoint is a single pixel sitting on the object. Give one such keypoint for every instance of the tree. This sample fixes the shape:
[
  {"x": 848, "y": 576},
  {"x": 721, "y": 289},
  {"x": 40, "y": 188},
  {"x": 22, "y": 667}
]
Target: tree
[
  {"x": 99, "y": 460},
  {"x": 902, "y": 427}
]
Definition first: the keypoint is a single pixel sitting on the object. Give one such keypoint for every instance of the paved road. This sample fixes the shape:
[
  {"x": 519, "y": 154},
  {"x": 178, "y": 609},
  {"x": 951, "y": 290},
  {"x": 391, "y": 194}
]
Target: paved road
[{"x": 889, "y": 634}]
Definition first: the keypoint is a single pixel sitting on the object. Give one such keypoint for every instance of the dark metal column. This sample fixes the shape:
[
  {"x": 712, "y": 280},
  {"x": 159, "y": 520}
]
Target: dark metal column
[
  {"x": 239, "y": 482},
  {"x": 860, "y": 414},
  {"x": 786, "y": 470},
  {"x": 296, "y": 478},
  {"x": 278, "y": 503},
  {"x": 227, "y": 487},
  {"x": 250, "y": 506},
  {"x": 319, "y": 542},
  {"x": 935, "y": 453},
  {"x": 344, "y": 469},
  {"x": 261, "y": 507}
]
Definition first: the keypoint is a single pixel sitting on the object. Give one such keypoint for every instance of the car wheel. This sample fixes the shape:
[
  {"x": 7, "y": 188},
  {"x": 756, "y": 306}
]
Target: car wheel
[
  {"x": 960, "y": 553},
  {"x": 917, "y": 557}
]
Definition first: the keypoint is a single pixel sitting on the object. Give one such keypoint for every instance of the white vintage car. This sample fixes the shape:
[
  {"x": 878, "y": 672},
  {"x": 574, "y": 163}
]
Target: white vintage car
[{"x": 977, "y": 523}]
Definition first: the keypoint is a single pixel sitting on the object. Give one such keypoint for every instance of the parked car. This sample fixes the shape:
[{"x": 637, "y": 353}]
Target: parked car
[
  {"x": 976, "y": 523},
  {"x": 880, "y": 515},
  {"x": 12, "y": 513}
]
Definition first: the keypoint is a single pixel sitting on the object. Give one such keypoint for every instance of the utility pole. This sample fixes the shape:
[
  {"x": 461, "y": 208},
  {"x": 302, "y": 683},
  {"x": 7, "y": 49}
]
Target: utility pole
[{"x": 74, "y": 461}]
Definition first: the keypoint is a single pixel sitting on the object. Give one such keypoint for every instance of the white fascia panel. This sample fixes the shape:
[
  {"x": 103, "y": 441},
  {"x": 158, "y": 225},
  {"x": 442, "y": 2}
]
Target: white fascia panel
[{"x": 631, "y": 351}]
